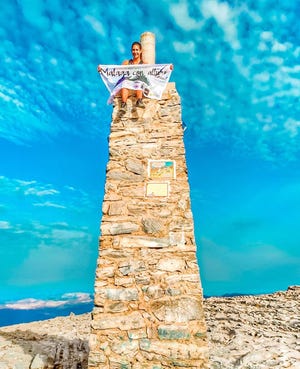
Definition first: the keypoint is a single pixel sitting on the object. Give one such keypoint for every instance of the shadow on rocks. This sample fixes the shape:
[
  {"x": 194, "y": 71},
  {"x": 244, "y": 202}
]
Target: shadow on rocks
[{"x": 51, "y": 352}]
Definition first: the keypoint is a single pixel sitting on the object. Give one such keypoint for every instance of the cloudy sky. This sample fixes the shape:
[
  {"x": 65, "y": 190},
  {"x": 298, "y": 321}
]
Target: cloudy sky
[{"x": 237, "y": 71}]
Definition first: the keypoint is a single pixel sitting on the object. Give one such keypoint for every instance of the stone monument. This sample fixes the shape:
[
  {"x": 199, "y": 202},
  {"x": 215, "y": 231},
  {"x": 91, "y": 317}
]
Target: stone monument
[
  {"x": 148, "y": 311},
  {"x": 148, "y": 47}
]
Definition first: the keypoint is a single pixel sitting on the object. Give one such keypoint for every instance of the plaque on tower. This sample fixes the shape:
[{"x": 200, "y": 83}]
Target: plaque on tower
[
  {"x": 162, "y": 169},
  {"x": 157, "y": 189}
]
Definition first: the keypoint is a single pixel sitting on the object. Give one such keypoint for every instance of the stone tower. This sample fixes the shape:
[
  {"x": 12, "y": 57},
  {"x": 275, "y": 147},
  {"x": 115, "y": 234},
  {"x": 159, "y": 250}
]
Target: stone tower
[{"x": 148, "y": 310}]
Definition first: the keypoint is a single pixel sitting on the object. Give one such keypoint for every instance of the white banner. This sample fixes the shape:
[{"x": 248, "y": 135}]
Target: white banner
[{"x": 150, "y": 78}]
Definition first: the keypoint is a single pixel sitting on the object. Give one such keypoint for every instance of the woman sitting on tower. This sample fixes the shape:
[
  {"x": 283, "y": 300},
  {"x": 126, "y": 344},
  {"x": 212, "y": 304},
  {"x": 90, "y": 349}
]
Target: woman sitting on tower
[{"x": 136, "y": 50}]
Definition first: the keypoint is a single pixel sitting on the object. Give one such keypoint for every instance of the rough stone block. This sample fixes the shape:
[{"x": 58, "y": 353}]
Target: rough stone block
[
  {"x": 177, "y": 238},
  {"x": 153, "y": 292},
  {"x": 145, "y": 365},
  {"x": 139, "y": 241},
  {"x": 131, "y": 266},
  {"x": 174, "y": 279},
  {"x": 119, "y": 175},
  {"x": 129, "y": 347},
  {"x": 119, "y": 363},
  {"x": 117, "y": 253},
  {"x": 143, "y": 279},
  {"x": 173, "y": 333},
  {"x": 96, "y": 359},
  {"x": 173, "y": 291},
  {"x": 171, "y": 264},
  {"x": 121, "y": 294},
  {"x": 174, "y": 350},
  {"x": 117, "y": 208},
  {"x": 151, "y": 225},
  {"x": 179, "y": 310},
  {"x": 134, "y": 166},
  {"x": 105, "y": 272},
  {"x": 137, "y": 334},
  {"x": 38, "y": 362},
  {"x": 124, "y": 322},
  {"x": 124, "y": 281},
  {"x": 119, "y": 228},
  {"x": 116, "y": 307}
]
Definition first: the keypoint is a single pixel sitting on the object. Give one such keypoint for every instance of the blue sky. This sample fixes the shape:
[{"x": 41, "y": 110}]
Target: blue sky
[{"x": 236, "y": 68}]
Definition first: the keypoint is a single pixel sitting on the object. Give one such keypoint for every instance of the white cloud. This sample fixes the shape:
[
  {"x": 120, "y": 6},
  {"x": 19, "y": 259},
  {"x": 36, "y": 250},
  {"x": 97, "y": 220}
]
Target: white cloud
[
  {"x": 225, "y": 17},
  {"x": 275, "y": 60},
  {"x": 254, "y": 15},
  {"x": 25, "y": 183},
  {"x": 280, "y": 47},
  {"x": 264, "y": 118},
  {"x": 269, "y": 42},
  {"x": 180, "y": 12},
  {"x": 69, "y": 234},
  {"x": 77, "y": 296},
  {"x": 30, "y": 189},
  {"x": 185, "y": 47},
  {"x": 49, "y": 204},
  {"x": 242, "y": 68},
  {"x": 53, "y": 61},
  {"x": 296, "y": 52},
  {"x": 262, "y": 46},
  {"x": 262, "y": 77},
  {"x": 269, "y": 127},
  {"x": 65, "y": 300},
  {"x": 40, "y": 192},
  {"x": 95, "y": 24},
  {"x": 292, "y": 126},
  {"x": 266, "y": 35},
  {"x": 291, "y": 69},
  {"x": 4, "y": 224},
  {"x": 8, "y": 98},
  {"x": 22, "y": 197}
]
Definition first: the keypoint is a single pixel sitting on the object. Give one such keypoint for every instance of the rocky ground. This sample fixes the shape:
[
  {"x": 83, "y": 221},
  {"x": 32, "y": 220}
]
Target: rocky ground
[
  {"x": 255, "y": 332},
  {"x": 247, "y": 332}
]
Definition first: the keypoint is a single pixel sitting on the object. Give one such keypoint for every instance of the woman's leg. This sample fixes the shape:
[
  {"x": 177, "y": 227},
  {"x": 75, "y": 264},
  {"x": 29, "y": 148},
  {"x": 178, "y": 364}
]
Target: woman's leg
[
  {"x": 139, "y": 94},
  {"x": 139, "y": 100},
  {"x": 124, "y": 94}
]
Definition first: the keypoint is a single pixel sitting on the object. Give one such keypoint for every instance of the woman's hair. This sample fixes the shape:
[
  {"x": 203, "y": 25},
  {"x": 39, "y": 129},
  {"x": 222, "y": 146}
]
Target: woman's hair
[{"x": 137, "y": 43}]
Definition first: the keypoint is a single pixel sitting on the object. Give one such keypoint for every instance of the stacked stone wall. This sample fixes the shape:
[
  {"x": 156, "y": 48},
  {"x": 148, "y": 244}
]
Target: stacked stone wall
[{"x": 148, "y": 298}]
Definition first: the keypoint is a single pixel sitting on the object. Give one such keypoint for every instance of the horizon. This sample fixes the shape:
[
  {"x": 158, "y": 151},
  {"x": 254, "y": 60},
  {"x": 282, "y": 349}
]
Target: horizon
[
  {"x": 32, "y": 310},
  {"x": 236, "y": 70}
]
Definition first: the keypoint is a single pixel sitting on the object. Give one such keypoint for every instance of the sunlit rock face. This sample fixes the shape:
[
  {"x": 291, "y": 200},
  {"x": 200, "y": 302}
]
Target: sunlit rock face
[
  {"x": 148, "y": 297},
  {"x": 243, "y": 332},
  {"x": 255, "y": 331}
]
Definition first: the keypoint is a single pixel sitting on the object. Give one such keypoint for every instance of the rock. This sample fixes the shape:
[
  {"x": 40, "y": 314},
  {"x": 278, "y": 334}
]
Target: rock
[
  {"x": 38, "y": 362},
  {"x": 131, "y": 321},
  {"x": 171, "y": 264},
  {"x": 134, "y": 166},
  {"x": 118, "y": 228},
  {"x": 254, "y": 331},
  {"x": 177, "y": 310},
  {"x": 151, "y": 225}
]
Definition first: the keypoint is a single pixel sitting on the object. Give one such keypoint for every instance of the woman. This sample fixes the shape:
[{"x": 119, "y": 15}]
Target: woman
[{"x": 136, "y": 50}]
